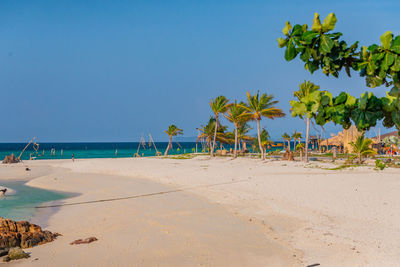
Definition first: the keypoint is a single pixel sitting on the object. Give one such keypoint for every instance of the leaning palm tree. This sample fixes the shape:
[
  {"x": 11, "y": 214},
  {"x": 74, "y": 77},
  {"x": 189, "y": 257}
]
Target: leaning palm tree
[
  {"x": 218, "y": 105},
  {"x": 172, "y": 130},
  {"x": 297, "y": 138},
  {"x": 236, "y": 114},
  {"x": 362, "y": 147},
  {"x": 262, "y": 106},
  {"x": 207, "y": 133},
  {"x": 287, "y": 138}
]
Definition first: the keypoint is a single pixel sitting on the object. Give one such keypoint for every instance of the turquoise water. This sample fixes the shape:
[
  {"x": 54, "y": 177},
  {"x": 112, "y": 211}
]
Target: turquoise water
[
  {"x": 99, "y": 150},
  {"x": 21, "y": 205},
  {"x": 92, "y": 150}
]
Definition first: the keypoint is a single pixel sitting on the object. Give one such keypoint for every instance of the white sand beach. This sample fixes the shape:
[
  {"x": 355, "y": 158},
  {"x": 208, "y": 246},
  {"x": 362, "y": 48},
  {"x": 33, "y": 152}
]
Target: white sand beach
[{"x": 242, "y": 212}]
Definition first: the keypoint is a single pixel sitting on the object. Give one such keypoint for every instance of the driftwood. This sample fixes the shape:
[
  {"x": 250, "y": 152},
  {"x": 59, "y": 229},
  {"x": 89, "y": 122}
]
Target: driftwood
[
  {"x": 84, "y": 241},
  {"x": 10, "y": 159}
]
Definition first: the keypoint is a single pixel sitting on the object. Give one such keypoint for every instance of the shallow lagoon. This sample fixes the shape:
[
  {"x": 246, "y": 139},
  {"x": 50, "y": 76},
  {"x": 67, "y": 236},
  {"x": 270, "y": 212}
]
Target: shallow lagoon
[{"x": 21, "y": 204}]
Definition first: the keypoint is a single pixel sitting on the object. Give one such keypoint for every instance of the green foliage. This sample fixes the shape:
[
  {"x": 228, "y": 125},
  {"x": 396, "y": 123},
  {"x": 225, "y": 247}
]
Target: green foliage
[
  {"x": 379, "y": 164},
  {"x": 265, "y": 140},
  {"x": 367, "y": 111},
  {"x": 362, "y": 147},
  {"x": 173, "y": 130},
  {"x": 308, "y": 100},
  {"x": 259, "y": 106},
  {"x": 320, "y": 48}
]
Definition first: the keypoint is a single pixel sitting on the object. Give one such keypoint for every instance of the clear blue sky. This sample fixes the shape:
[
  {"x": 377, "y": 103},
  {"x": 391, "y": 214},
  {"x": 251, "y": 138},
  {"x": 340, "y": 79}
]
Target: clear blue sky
[{"x": 113, "y": 70}]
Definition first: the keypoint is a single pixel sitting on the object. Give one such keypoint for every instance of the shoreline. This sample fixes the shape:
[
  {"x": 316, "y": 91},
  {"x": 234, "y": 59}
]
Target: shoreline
[
  {"x": 324, "y": 216},
  {"x": 267, "y": 249}
]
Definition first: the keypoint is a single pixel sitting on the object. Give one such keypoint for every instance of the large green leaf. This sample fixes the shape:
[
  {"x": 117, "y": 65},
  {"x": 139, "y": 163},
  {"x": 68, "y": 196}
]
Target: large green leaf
[
  {"x": 329, "y": 22},
  {"x": 287, "y": 28},
  {"x": 351, "y": 101},
  {"x": 305, "y": 56},
  {"x": 395, "y": 91},
  {"x": 341, "y": 98},
  {"x": 308, "y": 36},
  {"x": 326, "y": 44},
  {"x": 388, "y": 61},
  {"x": 282, "y": 42},
  {"x": 396, "y": 65},
  {"x": 386, "y": 39},
  {"x": 396, "y": 119},
  {"x": 396, "y": 45},
  {"x": 316, "y": 26},
  {"x": 290, "y": 52},
  {"x": 298, "y": 108},
  {"x": 362, "y": 104}
]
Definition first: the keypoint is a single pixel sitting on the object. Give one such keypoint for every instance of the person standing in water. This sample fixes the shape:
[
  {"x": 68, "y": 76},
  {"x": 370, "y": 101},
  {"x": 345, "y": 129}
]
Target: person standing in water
[{"x": 73, "y": 157}]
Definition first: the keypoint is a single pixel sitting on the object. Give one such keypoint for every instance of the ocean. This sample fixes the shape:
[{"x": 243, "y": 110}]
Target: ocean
[
  {"x": 100, "y": 150},
  {"x": 92, "y": 150}
]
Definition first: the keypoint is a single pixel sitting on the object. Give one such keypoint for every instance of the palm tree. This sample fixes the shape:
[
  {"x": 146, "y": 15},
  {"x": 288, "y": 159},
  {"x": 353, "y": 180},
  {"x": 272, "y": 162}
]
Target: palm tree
[
  {"x": 306, "y": 105},
  {"x": 297, "y": 137},
  {"x": 207, "y": 133},
  {"x": 218, "y": 105},
  {"x": 265, "y": 140},
  {"x": 243, "y": 130},
  {"x": 172, "y": 130},
  {"x": 287, "y": 138},
  {"x": 362, "y": 147},
  {"x": 262, "y": 106},
  {"x": 236, "y": 114}
]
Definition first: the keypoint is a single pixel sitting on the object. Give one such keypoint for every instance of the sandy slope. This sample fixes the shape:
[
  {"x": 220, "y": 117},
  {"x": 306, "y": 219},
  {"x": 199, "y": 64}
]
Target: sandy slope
[{"x": 335, "y": 218}]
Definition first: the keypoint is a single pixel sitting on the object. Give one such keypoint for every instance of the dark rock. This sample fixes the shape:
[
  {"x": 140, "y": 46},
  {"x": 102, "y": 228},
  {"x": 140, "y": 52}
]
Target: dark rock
[
  {"x": 17, "y": 253},
  {"x": 10, "y": 159},
  {"x": 23, "y": 234},
  {"x": 4, "y": 251}
]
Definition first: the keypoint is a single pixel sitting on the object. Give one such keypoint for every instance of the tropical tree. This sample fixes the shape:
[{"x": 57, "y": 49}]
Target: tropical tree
[
  {"x": 362, "y": 147},
  {"x": 207, "y": 133},
  {"x": 262, "y": 106},
  {"x": 265, "y": 140},
  {"x": 243, "y": 134},
  {"x": 172, "y": 130},
  {"x": 236, "y": 114},
  {"x": 219, "y": 105},
  {"x": 307, "y": 104},
  {"x": 297, "y": 138},
  {"x": 287, "y": 138},
  {"x": 320, "y": 48}
]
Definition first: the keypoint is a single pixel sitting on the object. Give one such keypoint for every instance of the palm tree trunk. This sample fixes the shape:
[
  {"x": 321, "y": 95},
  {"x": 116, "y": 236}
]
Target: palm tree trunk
[
  {"x": 236, "y": 141},
  {"x": 169, "y": 145},
  {"x": 215, "y": 136},
  {"x": 307, "y": 139},
  {"x": 288, "y": 141},
  {"x": 259, "y": 140}
]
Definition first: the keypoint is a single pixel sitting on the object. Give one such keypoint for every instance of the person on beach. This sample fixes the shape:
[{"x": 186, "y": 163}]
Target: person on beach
[
  {"x": 73, "y": 157},
  {"x": 3, "y": 191}
]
